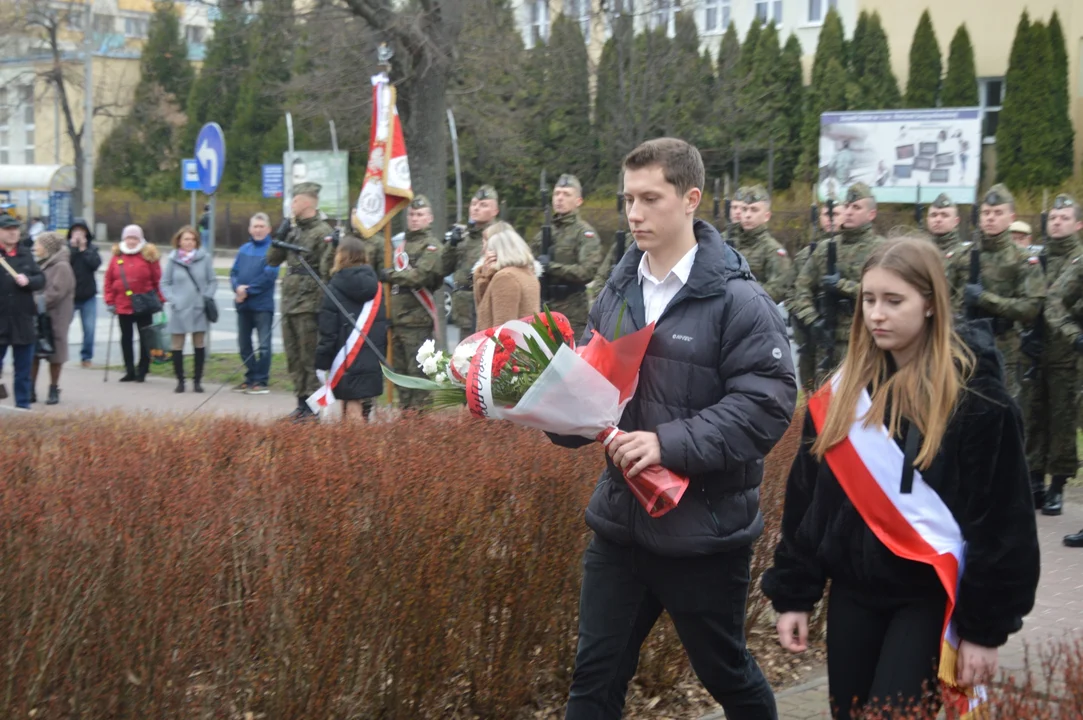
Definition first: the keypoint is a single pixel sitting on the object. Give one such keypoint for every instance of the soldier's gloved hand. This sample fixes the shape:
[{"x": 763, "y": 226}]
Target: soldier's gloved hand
[
  {"x": 831, "y": 282},
  {"x": 283, "y": 230},
  {"x": 1078, "y": 344},
  {"x": 972, "y": 293},
  {"x": 454, "y": 236},
  {"x": 385, "y": 274}
]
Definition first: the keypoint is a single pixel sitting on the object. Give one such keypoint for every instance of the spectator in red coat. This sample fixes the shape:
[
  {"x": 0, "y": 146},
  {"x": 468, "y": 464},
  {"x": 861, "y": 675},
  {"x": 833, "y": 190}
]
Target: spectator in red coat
[{"x": 134, "y": 269}]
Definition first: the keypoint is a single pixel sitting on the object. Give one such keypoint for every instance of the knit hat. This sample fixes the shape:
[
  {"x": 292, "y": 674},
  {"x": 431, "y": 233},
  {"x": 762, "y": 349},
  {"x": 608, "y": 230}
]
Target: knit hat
[
  {"x": 50, "y": 242},
  {"x": 132, "y": 231}
]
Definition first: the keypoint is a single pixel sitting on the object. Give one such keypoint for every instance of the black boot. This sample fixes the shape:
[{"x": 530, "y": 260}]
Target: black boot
[
  {"x": 1074, "y": 540},
  {"x": 302, "y": 413},
  {"x": 129, "y": 363},
  {"x": 33, "y": 394},
  {"x": 1054, "y": 499},
  {"x": 54, "y": 395},
  {"x": 201, "y": 356},
  {"x": 1037, "y": 488},
  {"x": 178, "y": 369}
]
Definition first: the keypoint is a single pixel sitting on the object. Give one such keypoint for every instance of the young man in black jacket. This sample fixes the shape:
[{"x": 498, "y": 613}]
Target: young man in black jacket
[
  {"x": 716, "y": 392},
  {"x": 20, "y": 278},
  {"x": 85, "y": 262}
]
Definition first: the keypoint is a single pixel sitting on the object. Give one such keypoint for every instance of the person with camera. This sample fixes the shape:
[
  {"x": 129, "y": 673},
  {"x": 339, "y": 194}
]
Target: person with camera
[
  {"x": 464, "y": 251},
  {"x": 132, "y": 292},
  {"x": 85, "y": 261},
  {"x": 20, "y": 278}
]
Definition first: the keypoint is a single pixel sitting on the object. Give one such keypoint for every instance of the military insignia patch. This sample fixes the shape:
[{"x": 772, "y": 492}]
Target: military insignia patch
[
  {"x": 588, "y": 233},
  {"x": 1033, "y": 260},
  {"x": 781, "y": 252},
  {"x": 329, "y": 239},
  {"x": 431, "y": 248},
  {"x": 950, "y": 255}
]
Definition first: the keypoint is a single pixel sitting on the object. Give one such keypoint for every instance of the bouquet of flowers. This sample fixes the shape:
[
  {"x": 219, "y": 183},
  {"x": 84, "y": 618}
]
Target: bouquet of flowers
[{"x": 529, "y": 372}]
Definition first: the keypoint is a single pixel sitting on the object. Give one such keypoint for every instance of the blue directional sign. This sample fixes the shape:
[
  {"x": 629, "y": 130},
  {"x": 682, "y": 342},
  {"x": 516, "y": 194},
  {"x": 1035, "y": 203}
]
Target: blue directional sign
[
  {"x": 273, "y": 181},
  {"x": 189, "y": 175},
  {"x": 210, "y": 157}
]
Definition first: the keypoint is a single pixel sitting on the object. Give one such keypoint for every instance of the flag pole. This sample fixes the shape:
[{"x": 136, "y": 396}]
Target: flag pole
[{"x": 384, "y": 54}]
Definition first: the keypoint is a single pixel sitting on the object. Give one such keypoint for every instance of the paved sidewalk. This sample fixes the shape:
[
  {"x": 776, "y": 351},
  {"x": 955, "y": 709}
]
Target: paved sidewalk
[{"x": 1057, "y": 614}]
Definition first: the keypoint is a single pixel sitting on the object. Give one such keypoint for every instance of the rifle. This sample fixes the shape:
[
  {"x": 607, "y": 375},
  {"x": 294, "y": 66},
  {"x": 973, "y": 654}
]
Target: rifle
[
  {"x": 919, "y": 215},
  {"x": 829, "y": 301},
  {"x": 717, "y": 203},
  {"x": 620, "y": 240},
  {"x": 1032, "y": 340},
  {"x": 546, "y": 235},
  {"x": 975, "y": 276}
]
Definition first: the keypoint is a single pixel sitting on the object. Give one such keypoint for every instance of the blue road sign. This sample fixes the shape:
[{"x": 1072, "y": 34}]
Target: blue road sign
[
  {"x": 273, "y": 181},
  {"x": 210, "y": 157},
  {"x": 189, "y": 175}
]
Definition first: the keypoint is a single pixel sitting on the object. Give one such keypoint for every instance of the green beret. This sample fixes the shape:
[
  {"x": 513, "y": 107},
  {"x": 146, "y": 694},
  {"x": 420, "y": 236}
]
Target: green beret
[
  {"x": 419, "y": 202},
  {"x": 307, "y": 188},
  {"x": 1063, "y": 201},
  {"x": 943, "y": 201},
  {"x": 755, "y": 194},
  {"x": 857, "y": 192},
  {"x": 487, "y": 192},
  {"x": 569, "y": 180},
  {"x": 998, "y": 195},
  {"x": 742, "y": 194}
]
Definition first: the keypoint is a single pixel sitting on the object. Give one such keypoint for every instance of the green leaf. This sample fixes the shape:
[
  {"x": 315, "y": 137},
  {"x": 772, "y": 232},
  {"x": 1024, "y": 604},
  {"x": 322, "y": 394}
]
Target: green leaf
[
  {"x": 556, "y": 340},
  {"x": 413, "y": 383},
  {"x": 620, "y": 321}
]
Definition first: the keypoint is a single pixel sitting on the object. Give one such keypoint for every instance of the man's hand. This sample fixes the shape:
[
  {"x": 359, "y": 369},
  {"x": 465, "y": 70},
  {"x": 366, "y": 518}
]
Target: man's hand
[
  {"x": 972, "y": 294},
  {"x": 830, "y": 283},
  {"x": 975, "y": 664},
  {"x": 635, "y": 451},
  {"x": 793, "y": 631},
  {"x": 242, "y": 293},
  {"x": 112, "y": 309},
  {"x": 22, "y": 280}
]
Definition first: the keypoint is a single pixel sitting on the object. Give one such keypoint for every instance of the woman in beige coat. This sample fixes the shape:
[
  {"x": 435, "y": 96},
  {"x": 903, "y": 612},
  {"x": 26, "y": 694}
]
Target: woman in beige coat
[
  {"x": 506, "y": 285},
  {"x": 58, "y": 298}
]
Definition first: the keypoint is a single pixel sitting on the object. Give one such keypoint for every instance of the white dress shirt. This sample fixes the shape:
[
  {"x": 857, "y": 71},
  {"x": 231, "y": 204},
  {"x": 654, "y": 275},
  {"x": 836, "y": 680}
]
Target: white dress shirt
[{"x": 658, "y": 293}]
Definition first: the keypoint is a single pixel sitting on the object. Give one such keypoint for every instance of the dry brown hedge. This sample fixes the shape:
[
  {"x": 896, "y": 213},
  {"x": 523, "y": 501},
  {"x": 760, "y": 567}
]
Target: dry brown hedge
[{"x": 154, "y": 568}]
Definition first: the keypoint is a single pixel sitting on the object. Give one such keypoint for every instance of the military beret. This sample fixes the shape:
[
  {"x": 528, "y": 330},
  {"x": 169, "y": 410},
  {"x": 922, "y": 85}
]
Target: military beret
[
  {"x": 419, "y": 202},
  {"x": 7, "y": 221},
  {"x": 1020, "y": 227},
  {"x": 998, "y": 195},
  {"x": 307, "y": 188},
  {"x": 1064, "y": 201},
  {"x": 487, "y": 192},
  {"x": 857, "y": 192},
  {"x": 755, "y": 194},
  {"x": 943, "y": 201},
  {"x": 569, "y": 180},
  {"x": 742, "y": 194}
]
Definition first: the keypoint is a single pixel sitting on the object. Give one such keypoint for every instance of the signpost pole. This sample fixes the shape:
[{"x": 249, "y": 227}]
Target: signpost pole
[{"x": 192, "y": 222}]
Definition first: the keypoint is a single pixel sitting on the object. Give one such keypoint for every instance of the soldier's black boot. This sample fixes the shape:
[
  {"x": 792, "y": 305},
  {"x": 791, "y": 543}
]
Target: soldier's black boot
[
  {"x": 302, "y": 412},
  {"x": 1037, "y": 487},
  {"x": 197, "y": 376},
  {"x": 1074, "y": 540},
  {"x": 1054, "y": 499},
  {"x": 178, "y": 369}
]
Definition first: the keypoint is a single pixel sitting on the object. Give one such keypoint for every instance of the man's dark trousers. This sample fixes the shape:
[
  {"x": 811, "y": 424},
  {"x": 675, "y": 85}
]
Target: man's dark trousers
[{"x": 625, "y": 590}]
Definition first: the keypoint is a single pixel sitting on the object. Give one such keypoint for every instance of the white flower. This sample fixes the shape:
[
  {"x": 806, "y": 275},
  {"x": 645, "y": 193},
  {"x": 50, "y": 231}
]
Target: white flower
[
  {"x": 429, "y": 367},
  {"x": 425, "y": 351},
  {"x": 441, "y": 378},
  {"x": 464, "y": 353}
]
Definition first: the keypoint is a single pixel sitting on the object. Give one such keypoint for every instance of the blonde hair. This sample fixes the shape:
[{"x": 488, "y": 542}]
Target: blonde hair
[
  {"x": 175, "y": 242},
  {"x": 351, "y": 253},
  {"x": 924, "y": 391},
  {"x": 510, "y": 248}
]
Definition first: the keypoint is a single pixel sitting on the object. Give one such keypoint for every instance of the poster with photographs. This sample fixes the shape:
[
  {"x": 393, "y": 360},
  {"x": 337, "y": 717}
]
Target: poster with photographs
[
  {"x": 319, "y": 166},
  {"x": 897, "y": 151}
]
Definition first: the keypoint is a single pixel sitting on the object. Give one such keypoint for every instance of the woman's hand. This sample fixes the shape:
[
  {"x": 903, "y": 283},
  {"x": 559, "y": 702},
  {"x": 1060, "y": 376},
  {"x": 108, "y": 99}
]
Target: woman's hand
[
  {"x": 975, "y": 664},
  {"x": 793, "y": 631}
]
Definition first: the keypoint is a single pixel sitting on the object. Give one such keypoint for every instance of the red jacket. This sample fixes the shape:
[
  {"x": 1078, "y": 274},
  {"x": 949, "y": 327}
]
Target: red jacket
[{"x": 143, "y": 272}]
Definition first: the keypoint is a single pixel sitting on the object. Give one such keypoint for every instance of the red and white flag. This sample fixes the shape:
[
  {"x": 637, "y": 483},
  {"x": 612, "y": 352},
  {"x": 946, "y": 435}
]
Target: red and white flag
[{"x": 386, "y": 189}]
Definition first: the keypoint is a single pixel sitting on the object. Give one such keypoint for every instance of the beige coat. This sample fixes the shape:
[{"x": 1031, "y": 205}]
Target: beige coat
[
  {"x": 508, "y": 294},
  {"x": 59, "y": 296}
]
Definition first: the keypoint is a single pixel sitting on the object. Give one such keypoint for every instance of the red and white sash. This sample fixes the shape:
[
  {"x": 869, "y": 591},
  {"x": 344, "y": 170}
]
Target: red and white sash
[
  {"x": 423, "y": 295},
  {"x": 917, "y": 525},
  {"x": 325, "y": 397}
]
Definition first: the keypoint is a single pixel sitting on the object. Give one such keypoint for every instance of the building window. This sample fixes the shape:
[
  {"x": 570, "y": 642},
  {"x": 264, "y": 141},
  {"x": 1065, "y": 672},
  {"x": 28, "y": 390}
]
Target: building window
[
  {"x": 27, "y": 99},
  {"x": 991, "y": 94},
  {"x": 580, "y": 11},
  {"x": 664, "y": 15},
  {"x": 74, "y": 18},
  {"x": 195, "y": 34},
  {"x": 135, "y": 27},
  {"x": 769, "y": 11},
  {"x": 817, "y": 9},
  {"x": 103, "y": 23},
  {"x": 539, "y": 22},
  {"x": 716, "y": 15}
]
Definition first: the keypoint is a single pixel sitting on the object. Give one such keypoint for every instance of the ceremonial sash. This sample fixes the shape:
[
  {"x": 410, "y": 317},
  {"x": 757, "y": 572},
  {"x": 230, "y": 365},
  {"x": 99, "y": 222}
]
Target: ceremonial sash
[
  {"x": 325, "y": 397},
  {"x": 915, "y": 525},
  {"x": 424, "y": 296}
]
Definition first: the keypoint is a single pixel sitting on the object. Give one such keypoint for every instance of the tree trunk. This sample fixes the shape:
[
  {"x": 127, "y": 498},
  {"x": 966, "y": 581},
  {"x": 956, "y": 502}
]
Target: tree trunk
[
  {"x": 427, "y": 138},
  {"x": 77, "y": 192}
]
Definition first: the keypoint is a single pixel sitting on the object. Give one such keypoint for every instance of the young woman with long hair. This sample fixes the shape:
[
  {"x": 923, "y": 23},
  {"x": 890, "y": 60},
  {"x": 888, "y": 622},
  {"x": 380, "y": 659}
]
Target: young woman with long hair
[{"x": 910, "y": 493}]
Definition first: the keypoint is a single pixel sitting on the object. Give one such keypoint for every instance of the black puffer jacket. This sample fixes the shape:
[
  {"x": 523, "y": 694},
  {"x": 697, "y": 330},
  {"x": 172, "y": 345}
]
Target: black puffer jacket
[
  {"x": 716, "y": 385},
  {"x": 353, "y": 287},
  {"x": 18, "y": 312},
  {"x": 980, "y": 473}
]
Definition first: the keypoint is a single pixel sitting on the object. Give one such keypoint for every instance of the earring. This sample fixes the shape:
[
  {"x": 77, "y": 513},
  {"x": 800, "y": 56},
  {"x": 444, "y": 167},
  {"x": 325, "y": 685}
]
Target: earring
[{"x": 928, "y": 313}]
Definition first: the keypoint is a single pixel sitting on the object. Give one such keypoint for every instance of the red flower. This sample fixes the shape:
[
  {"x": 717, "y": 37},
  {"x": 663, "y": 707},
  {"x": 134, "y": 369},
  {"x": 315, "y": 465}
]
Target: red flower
[
  {"x": 505, "y": 346},
  {"x": 567, "y": 336}
]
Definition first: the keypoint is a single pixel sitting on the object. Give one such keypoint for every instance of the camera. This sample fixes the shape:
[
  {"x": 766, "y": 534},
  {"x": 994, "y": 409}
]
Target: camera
[{"x": 454, "y": 235}]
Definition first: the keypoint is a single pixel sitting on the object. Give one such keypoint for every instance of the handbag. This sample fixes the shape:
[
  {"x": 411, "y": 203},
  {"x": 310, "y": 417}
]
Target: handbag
[
  {"x": 210, "y": 307},
  {"x": 146, "y": 303},
  {"x": 46, "y": 345}
]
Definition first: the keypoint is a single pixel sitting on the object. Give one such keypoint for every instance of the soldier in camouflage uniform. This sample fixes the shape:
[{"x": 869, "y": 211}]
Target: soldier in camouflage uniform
[
  {"x": 574, "y": 257},
  {"x": 942, "y": 223},
  {"x": 301, "y": 295},
  {"x": 417, "y": 269},
  {"x": 855, "y": 243},
  {"x": 768, "y": 260},
  {"x": 734, "y": 235},
  {"x": 806, "y": 344},
  {"x": 1050, "y": 412},
  {"x": 1011, "y": 286},
  {"x": 463, "y": 252}
]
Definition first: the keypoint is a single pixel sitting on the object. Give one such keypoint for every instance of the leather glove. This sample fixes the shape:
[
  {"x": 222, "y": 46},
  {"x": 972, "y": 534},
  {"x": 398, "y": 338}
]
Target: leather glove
[
  {"x": 386, "y": 274},
  {"x": 1078, "y": 344},
  {"x": 831, "y": 282},
  {"x": 283, "y": 230},
  {"x": 972, "y": 293}
]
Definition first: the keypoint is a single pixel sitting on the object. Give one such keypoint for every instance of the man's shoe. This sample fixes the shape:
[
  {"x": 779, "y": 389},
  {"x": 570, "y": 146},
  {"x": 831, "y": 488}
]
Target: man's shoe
[
  {"x": 240, "y": 388},
  {"x": 128, "y": 377},
  {"x": 87, "y": 363},
  {"x": 1074, "y": 540},
  {"x": 257, "y": 389},
  {"x": 196, "y": 386},
  {"x": 1054, "y": 504},
  {"x": 3, "y": 391},
  {"x": 180, "y": 386},
  {"x": 54, "y": 395},
  {"x": 33, "y": 396},
  {"x": 1039, "y": 499}
]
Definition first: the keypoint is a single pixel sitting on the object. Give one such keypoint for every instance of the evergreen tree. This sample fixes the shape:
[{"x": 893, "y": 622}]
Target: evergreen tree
[
  {"x": 1061, "y": 118},
  {"x": 686, "y": 104},
  {"x": 923, "y": 85},
  {"x": 1009, "y": 139},
  {"x": 788, "y": 142},
  {"x": 822, "y": 94},
  {"x": 961, "y": 81},
  {"x": 215, "y": 92},
  {"x": 748, "y": 49},
  {"x": 141, "y": 151},
  {"x": 858, "y": 49},
  {"x": 565, "y": 132},
  {"x": 874, "y": 86},
  {"x": 727, "y": 110},
  {"x": 764, "y": 102},
  {"x": 614, "y": 70}
]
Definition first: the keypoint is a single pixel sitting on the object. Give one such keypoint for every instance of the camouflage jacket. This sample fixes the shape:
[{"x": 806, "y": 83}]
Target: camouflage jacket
[
  {"x": 948, "y": 242},
  {"x": 300, "y": 293},
  {"x": 576, "y": 252},
  {"x": 769, "y": 262},
  {"x": 1012, "y": 281},
  {"x": 426, "y": 261},
  {"x": 854, "y": 247},
  {"x": 459, "y": 261},
  {"x": 1064, "y": 303}
]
